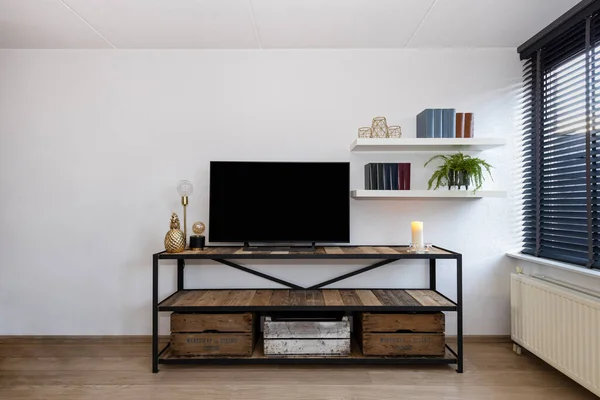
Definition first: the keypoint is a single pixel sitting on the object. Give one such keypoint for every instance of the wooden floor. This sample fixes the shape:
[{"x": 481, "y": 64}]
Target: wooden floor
[{"x": 119, "y": 369}]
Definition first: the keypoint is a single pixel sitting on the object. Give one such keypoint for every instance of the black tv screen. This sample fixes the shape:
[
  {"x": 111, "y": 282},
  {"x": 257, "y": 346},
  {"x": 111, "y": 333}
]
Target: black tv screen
[{"x": 287, "y": 202}]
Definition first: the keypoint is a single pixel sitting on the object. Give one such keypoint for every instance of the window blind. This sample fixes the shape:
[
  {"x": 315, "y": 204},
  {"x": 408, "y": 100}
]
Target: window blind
[{"x": 561, "y": 128}]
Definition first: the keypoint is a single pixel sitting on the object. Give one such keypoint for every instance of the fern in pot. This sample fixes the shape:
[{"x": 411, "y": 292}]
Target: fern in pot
[{"x": 459, "y": 170}]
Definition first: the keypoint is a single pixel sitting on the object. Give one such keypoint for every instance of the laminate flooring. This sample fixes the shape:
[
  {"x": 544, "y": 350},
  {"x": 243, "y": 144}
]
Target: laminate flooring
[{"x": 119, "y": 369}]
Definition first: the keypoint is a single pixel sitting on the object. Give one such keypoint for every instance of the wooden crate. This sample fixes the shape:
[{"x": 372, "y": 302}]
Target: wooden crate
[
  {"x": 212, "y": 344},
  {"x": 212, "y": 334},
  {"x": 403, "y": 344},
  {"x": 326, "y": 338},
  {"x": 409, "y": 334},
  {"x": 413, "y": 322},
  {"x": 211, "y": 322}
]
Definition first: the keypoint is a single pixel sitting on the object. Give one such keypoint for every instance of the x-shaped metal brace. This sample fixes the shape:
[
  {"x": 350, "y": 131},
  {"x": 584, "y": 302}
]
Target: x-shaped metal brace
[{"x": 318, "y": 285}]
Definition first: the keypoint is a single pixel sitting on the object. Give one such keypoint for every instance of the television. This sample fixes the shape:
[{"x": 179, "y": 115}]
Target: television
[{"x": 279, "y": 202}]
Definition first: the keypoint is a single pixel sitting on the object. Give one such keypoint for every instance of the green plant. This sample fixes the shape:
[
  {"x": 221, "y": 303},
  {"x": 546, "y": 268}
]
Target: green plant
[{"x": 459, "y": 169}]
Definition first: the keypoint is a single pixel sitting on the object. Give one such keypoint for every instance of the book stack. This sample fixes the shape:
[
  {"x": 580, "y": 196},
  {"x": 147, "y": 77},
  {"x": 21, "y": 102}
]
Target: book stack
[
  {"x": 444, "y": 123},
  {"x": 387, "y": 176}
]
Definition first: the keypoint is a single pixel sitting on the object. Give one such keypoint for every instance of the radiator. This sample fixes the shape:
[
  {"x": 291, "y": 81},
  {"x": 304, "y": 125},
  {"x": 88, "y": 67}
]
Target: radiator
[{"x": 559, "y": 325}]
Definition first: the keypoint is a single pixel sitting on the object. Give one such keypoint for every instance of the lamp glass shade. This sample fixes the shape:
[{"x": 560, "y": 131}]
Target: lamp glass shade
[{"x": 185, "y": 188}]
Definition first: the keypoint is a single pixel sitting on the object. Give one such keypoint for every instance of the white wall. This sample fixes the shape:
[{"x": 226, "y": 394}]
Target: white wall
[{"x": 93, "y": 143}]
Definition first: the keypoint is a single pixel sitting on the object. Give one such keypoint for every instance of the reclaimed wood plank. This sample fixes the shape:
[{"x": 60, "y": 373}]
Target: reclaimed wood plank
[
  {"x": 261, "y": 298},
  {"x": 429, "y": 298},
  {"x": 384, "y": 297},
  {"x": 223, "y": 298},
  {"x": 400, "y": 249},
  {"x": 207, "y": 299},
  {"x": 367, "y": 250},
  {"x": 321, "y": 347},
  {"x": 351, "y": 250},
  {"x": 368, "y": 298},
  {"x": 333, "y": 250},
  {"x": 244, "y": 298},
  {"x": 422, "y": 297},
  {"x": 241, "y": 250},
  {"x": 332, "y": 297},
  {"x": 385, "y": 250},
  {"x": 280, "y": 297},
  {"x": 413, "y": 322},
  {"x": 188, "y": 298},
  {"x": 403, "y": 344},
  {"x": 211, "y": 322},
  {"x": 350, "y": 298},
  {"x": 226, "y": 250},
  {"x": 315, "y": 298},
  {"x": 306, "y": 329},
  {"x": 297, "y": 297},
  {"x": 402, "y": 298},
  {"x": 200, "y": 344},
  {"x": 169, "y": 301}
]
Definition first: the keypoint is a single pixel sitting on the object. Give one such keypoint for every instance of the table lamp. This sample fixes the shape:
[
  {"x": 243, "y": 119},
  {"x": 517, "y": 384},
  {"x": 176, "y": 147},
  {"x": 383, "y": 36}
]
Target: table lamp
[{"x": 185, "y": 189}]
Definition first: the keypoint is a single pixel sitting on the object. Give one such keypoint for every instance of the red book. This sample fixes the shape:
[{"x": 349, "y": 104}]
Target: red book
[
  {"x": 403, "y": 176},
  {"x": 406, "y": 176},
  {"x": 468, "y": 125},
  {"x": 400, "y": 176},
  {"x": 459, "y": 125}
]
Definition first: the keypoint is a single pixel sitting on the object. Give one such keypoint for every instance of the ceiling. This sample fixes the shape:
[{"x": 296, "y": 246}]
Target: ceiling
[{"x": 272, "y": 24}]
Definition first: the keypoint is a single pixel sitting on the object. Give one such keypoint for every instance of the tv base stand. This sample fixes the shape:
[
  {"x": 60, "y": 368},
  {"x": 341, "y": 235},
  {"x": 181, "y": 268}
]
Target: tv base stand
[
  {"x": 294, "y": 298},
  {"x": 283, "y": 247}
]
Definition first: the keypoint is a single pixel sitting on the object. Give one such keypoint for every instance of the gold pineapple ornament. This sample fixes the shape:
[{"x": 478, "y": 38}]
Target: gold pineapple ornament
[{"x": 174, "y": 239}]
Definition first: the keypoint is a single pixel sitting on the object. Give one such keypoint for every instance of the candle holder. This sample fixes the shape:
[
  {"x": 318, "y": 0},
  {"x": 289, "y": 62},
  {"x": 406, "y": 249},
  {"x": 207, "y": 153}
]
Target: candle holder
[
  {"x": 414, "y": 248},
  {"x": 365, "y": 132},
  {"x": 379, "y": 127}
]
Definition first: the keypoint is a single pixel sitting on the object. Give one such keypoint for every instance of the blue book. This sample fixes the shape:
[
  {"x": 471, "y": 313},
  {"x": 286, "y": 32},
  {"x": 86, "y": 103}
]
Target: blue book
[
  {"x": 425, "y": 123},
  {"x": 387, "y": 179},
  {"x": 380, "y": 177},
  {"x": 449, "y": 124},
  {"x": 374, "y": 185},
  {"x": 438, "y": 123},
  {"x": 394, "y": 176}
]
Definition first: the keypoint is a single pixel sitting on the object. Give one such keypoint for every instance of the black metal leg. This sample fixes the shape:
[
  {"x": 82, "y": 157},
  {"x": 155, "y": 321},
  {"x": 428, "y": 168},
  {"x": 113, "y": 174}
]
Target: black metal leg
[
  {"x": 459, "y": 312},
  {"x": 155, "y": 313},
  {"x": 432, "y": 274},
  {"x": 180, "y": 268}
]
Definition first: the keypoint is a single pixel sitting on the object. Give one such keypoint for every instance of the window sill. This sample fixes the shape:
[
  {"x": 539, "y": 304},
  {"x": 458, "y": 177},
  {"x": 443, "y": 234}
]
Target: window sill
[{"x": 555, "y": 264}]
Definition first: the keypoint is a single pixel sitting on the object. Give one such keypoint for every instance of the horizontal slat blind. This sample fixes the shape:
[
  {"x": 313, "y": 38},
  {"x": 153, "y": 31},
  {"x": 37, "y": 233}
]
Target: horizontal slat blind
[
  {"x": 561, "y": 126},
  {"x": 595, "y": 138}
]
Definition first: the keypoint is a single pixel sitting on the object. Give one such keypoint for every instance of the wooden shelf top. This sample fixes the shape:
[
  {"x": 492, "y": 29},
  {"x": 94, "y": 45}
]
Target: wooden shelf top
[
  {"x": 282, "y": 299},
  {"x": 429, "y": 144},
  {"x": 340, "y": 252}
]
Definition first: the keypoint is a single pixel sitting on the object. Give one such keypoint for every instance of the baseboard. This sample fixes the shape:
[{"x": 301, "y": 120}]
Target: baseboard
[
  {"x": 482, "y": 338},
  {"x": 143, "y": 339}
]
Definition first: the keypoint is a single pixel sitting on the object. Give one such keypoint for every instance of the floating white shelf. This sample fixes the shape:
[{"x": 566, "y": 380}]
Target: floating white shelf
[
  {"x": 424, "y": 194},
  {"x": 433, "y": 145}
]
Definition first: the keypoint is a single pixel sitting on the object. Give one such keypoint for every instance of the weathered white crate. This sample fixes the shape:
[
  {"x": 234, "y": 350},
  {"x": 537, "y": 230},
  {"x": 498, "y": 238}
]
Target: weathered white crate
[{"x": 306, "y": 337}]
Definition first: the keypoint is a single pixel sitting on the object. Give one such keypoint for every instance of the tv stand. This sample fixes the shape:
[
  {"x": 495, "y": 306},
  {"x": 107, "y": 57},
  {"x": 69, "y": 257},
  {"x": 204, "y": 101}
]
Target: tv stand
[
  {"x": 282, "y": 247},
  {"x": 317, "y": 298}
]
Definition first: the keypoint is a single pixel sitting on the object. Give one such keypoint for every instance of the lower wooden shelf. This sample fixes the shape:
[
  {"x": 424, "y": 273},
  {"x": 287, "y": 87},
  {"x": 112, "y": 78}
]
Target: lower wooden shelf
[
  {"x": 241, "y": 300},
  {"x": 258, "y": 357}
]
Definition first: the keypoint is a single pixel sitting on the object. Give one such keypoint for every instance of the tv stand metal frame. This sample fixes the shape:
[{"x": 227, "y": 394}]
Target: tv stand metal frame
[{"x": 220, "y": 255}]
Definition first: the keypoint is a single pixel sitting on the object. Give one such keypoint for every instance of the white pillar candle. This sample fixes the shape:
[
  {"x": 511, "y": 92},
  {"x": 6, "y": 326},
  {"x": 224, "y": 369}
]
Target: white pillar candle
[{"x": 417, "y": 234}]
